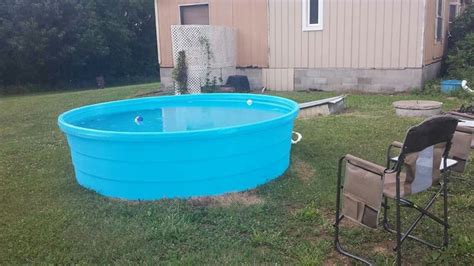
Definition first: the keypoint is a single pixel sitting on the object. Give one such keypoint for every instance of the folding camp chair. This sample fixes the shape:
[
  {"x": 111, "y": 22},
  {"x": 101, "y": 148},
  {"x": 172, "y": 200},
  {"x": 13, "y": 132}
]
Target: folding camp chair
[
  {"x": 461, "y": 147},
  {"x": 463, "y": 140},
  {"x": 464, "y": 119},
  {"x": 424, "y": 160}
]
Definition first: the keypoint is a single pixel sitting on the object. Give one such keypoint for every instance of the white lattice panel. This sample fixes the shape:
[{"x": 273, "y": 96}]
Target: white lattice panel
[{"x": 210, "y": 52}]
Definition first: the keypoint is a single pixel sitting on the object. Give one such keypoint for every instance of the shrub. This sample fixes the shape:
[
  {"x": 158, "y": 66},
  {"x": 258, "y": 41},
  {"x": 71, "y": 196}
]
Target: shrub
[
  {"x": 59, "y": 44},
  {"x": 180, "y": 73},
  {"x": 460, "y": 59},
  {"x": 462, "y": 25},
  {"x": 211, "y": 85},
  {"x": 431, "y": 88}
]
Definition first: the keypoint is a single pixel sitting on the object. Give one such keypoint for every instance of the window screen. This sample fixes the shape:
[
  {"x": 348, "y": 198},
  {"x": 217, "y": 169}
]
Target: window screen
[
  {"x": 439, "y": 20},
  {"x": 194, "y": 14},
  {"x": 313, "y": 11},
  {"x": 440, "y": 8},
  {"x": 452, "y": 12}
]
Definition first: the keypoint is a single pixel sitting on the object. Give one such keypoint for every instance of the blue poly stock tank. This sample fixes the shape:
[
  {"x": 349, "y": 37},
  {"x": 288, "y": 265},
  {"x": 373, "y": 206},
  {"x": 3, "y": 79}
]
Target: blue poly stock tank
[{"x": 180, "y": 146}]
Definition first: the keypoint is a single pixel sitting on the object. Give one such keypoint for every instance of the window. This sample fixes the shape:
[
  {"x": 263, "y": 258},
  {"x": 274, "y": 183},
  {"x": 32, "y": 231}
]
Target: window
[
  {"x": 439, "y": 20},
  {"x": 312, "y": 15},
  {"x": 194, "y": 14},
  {"x": 453, "y": 12}
]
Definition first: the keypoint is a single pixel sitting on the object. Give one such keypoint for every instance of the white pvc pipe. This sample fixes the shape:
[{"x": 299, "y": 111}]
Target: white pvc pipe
[
  {"x": 299, "y": 137},
  {"x": 465, "y": 87}
]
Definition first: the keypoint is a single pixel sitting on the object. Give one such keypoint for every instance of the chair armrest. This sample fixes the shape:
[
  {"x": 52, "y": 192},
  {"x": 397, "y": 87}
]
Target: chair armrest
[
  {"x": 464, "y": 129},
  {"x": 397, "y": 144},
  {"x": 460, "y": 115},
  {"x": 364, "y": 164}
]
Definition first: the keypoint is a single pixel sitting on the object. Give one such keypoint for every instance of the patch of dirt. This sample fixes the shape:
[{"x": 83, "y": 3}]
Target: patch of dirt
[
  {"x": 304, "y": 170},
  {"x": 384, "y": 247},
  {"x": 246, "y": 198},
  {"x": 334, "y": 258},
  {"x": 348, "y": 223},
  {"x": 328, "y": 215},
  {"x": 292, "y": 207}
]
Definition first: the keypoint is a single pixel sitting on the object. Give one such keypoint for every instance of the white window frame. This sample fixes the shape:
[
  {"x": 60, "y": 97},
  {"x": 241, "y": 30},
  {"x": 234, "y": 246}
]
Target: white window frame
[
  {"x": 305, "y": 14},
  {"x": 193, "y": 4},
  {"x": 439, "y": 38}
]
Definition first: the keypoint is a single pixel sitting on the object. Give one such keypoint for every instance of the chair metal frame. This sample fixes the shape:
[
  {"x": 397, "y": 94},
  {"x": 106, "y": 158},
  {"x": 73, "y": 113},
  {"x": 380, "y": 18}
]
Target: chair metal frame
[{"x": 400, "y": 202}]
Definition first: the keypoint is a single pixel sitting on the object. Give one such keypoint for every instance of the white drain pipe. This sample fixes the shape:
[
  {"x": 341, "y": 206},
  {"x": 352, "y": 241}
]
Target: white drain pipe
[
  {"x": 465, "y": 87},
  {"x": 299, "y": 137}
]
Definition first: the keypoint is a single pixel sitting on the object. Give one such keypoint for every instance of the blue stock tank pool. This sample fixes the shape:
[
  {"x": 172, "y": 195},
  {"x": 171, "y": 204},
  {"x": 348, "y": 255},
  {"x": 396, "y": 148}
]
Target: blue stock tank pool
[{"x": 180, "y": 146}]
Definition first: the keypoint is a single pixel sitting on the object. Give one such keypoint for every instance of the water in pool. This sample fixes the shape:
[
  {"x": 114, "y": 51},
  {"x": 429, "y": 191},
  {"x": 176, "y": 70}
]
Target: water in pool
[{"x": 171, "y": 119}]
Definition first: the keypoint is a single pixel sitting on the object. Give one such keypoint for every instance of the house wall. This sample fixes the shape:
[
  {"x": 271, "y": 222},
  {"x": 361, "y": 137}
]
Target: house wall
[
  {"x": 433, "y": 51},
  {"x": 248, "y": 17},
  {"x": 369, "y": 45},
  {"x": 357, "y": 35}
]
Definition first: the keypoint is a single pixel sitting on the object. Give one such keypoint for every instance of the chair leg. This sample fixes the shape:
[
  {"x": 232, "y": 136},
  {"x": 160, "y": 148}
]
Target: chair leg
[
  {"x": 340, "y": 249},
  {"x": 385, "y": 210},
  {"x": 399, "y": 233},
  {"x": 423, "y": 212},
  {"x": 445, "y": 207},
  {"x": 338, "y": 204}
]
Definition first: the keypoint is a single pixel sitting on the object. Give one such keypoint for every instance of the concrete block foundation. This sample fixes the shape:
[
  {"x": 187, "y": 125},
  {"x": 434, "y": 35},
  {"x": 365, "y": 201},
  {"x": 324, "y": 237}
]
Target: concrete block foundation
[
  {"x": 369, "y": 80},
  {"x": 254, "y": 75},
  {"x": 335, "y": 79},
  {"x": 431, "y": 71}
]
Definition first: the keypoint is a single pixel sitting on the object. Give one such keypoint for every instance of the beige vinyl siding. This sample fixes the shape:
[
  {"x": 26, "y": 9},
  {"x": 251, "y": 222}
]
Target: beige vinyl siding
[
  {"x": 433, "y": 51},
  {"x": 360, "y": 34},
  {"x": 363, "y": 34},
  {"x": 248, "y": 17},
  {"x": 250, "y": 20},
  {"x": 279, "y": 79}
]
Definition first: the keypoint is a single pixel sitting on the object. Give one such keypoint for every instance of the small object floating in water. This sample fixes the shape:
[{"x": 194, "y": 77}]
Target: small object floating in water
[
  {"x": 138, "y": 120},
  {"x": 249, "y": 102}
]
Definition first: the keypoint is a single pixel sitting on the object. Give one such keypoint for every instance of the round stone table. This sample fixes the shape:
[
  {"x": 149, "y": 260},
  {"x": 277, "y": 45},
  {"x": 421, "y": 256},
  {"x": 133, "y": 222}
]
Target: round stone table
[{"x": 417, "y": 108}]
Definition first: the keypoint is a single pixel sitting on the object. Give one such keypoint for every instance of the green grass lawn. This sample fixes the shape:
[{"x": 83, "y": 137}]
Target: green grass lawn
[{"x": 45, "y": 216}]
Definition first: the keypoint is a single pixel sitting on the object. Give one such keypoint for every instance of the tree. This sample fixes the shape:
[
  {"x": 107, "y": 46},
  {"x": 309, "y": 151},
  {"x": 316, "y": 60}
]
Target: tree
[
  {"x": 68, "y": 43},
  {"x": 462, "y": 25},
  {"x": 460, "y": 58}
]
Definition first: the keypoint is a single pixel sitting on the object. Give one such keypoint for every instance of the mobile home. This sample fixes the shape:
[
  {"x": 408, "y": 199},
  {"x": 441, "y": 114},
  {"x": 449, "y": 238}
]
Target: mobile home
[{"x": 286, "y": 45}]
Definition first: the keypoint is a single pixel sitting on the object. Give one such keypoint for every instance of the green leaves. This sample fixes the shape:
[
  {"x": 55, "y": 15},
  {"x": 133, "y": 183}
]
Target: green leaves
[
  {"x": 69, "y": 43},
  {"x": 460, "y": 60},
  {"x": 180, "y": 73}
]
